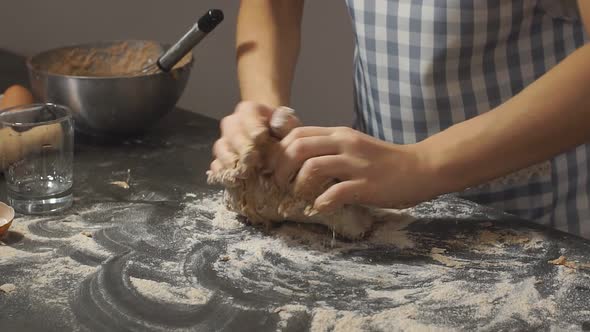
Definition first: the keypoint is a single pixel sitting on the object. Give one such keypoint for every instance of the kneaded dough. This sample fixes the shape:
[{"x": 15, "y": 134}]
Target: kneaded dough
[{"x": 251, "y": 192}]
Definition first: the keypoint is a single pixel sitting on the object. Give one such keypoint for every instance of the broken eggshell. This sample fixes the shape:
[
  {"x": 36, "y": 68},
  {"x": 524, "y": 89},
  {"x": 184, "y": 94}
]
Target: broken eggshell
[{"x": 6, "y": 216}]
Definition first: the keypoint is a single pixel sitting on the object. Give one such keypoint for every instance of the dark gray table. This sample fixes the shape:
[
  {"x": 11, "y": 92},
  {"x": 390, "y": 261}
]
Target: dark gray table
[{"x": 164, "y": 255}]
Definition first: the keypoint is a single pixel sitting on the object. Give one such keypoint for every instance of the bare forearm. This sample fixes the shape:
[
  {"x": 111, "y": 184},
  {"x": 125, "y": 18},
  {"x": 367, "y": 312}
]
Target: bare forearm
[
  {"x": 550, "y": 116},
  {"x": 268, "y": 41}
]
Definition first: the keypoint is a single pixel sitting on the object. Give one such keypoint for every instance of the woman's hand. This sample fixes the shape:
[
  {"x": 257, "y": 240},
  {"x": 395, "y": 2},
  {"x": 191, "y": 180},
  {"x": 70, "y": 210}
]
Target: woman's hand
[
  {"x": 364, "y": 170},
  {"x": 248, "y": 124}
]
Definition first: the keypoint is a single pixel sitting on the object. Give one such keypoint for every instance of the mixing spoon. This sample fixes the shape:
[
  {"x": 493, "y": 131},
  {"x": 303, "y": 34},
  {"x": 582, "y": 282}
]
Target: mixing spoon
[{"x": 176, "y": 52}]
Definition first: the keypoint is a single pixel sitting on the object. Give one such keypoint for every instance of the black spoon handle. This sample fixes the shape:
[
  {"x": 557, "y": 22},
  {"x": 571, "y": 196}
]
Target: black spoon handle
[{"x": 206, "y": 24}]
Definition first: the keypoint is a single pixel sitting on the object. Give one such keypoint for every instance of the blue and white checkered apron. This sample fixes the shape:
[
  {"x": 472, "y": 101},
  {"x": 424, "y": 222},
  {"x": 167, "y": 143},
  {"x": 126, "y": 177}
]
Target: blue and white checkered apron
[{"x": 424, "y": 65}]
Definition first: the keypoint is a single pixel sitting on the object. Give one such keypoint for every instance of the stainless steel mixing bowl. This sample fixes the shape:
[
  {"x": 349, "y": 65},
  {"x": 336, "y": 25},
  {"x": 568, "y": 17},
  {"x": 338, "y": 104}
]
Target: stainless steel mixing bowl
[{"x": 121, "y": 105}]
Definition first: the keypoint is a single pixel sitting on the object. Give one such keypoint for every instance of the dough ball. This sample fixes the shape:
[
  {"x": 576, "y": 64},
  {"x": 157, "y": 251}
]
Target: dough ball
[{"x": 254, "y": 194}]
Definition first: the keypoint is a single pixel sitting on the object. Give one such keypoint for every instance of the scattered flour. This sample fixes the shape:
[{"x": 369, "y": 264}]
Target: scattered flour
[
  {"x": 162, "y": 291},
  {"x": 402, "y": 318},
  {"x": 297, "y": 261},
  {"x": 226, "y": 219},
  {"x": 505, "y": 301},
  {"x": 287, "y": 312},
  {"x": 79, "y": 241},
  {"x": 391, "y": 230},
  {"x": 525, "y": 302},
  {"x": 308, "y": 254},
  {"x": 223, "y": 218},
  {"x": 457, "y": 210},
  {"x": 49, "y": 281},
  {"x": 398, "y": 296},
  {"x": 8, "y": 288},
  {"x": 7, "y": 254},
  {"x": 85, "y": 243},
  {"x": 49, "y": 274}
]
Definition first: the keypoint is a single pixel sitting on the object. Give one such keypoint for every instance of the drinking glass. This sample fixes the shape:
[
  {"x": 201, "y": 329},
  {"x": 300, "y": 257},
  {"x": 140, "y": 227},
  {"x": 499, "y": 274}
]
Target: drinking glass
[{"x": 37, "y": 150}]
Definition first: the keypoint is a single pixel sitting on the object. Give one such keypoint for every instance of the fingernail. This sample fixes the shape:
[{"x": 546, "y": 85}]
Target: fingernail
[
  {"x": 312, "y": 212},
  {"x": 323, "y": 207},
  {"x": 286, "y": 109}
]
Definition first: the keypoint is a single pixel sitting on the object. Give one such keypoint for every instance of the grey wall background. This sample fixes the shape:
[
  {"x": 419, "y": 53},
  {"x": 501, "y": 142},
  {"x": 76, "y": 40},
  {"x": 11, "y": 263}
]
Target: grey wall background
[{"x": 323, "y": 85}]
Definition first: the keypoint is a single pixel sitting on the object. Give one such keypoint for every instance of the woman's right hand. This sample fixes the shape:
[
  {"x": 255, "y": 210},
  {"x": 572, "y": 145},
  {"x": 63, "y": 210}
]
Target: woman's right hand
[{"x": 247, "y": 125}]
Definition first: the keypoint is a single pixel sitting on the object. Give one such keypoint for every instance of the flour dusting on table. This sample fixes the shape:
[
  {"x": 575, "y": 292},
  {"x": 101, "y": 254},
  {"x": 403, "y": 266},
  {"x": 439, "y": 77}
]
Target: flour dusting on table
[
  {"x": 406, "y": 275},
  {"x": 161, "y": 291},
  {"x": 409, "y": 295}
]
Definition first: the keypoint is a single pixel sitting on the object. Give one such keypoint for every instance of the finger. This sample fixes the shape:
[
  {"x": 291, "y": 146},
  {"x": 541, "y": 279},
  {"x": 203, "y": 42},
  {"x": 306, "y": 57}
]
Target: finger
[
  {"x": 239, "y": 141},
  {"x": 224, "y": 153},
  {"x": 318, "y": 173},
  {"x": 254, "y": 119},
  {"x": 271, "y": 155},
  {"x": 340, "y": 194},
  {"x": 290, "y": 160},
  {"x": 282, "y": 121},
  {"x": 216, "y": 166},
  {"x": 296, "y": 133},
  {"x": 301, "y": 132}
]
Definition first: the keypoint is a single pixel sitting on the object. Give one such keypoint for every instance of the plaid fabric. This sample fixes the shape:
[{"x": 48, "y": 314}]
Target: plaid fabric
[{"x": 423, "y": 65}]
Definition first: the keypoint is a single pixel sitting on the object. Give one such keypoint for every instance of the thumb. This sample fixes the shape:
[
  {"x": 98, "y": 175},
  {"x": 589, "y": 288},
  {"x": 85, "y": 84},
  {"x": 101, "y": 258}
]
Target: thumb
[
  {"x": 338, "y": 195},
  {"x": 282, "y": 121}
]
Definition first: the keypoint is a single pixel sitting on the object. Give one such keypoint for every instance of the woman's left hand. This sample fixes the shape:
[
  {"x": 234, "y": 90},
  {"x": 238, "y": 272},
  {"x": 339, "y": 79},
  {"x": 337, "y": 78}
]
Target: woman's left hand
[{"x": 365, "y": 170}]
